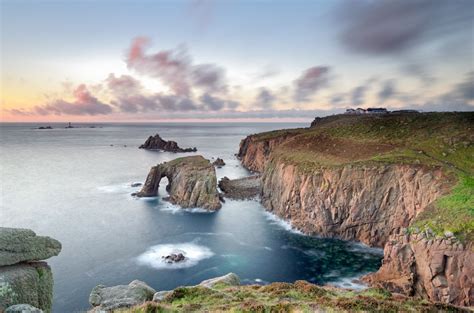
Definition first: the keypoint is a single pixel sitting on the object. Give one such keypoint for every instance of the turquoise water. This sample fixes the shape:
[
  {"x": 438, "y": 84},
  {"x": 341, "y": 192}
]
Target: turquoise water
[{"x": 74, "y": 185}]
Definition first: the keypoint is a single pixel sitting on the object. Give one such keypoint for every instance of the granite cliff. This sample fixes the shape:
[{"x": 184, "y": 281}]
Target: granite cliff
[{"x": 374, "y": 178}]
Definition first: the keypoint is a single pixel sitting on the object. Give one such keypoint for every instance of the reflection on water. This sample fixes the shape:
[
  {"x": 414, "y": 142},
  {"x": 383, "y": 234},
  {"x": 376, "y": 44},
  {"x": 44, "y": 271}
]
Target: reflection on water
[{"x": 71, "y": 184}]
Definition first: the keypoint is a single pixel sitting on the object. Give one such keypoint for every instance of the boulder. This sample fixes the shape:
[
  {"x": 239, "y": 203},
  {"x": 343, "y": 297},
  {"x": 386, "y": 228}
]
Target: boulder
[
  {"x": 157, "y": 143},
  {"x": 19, "y": 245},
  {"x": 22, "y": 308},
  {"x": 30, "y": 283},
  {"x": 191, "y": 182},
  {"x": 242, "y": 188},
  {"x": 160, "y": 295},
  {"x": 218, "y": 162},
  {"x": 121, "y": 296},
  {"x": 229, "y": 279}
]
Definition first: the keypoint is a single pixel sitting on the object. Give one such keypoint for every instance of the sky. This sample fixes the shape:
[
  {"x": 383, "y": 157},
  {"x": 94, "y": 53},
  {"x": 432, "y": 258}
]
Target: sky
[{"x": 232, "y": 60}]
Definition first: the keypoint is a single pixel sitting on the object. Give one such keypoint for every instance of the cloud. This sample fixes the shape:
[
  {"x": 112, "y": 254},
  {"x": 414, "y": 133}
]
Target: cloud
[
  {"x": 389, "y": 27},
  {"x": 123, "y": 85},
  {"x": 337, "y": 99},
  {"x": 209, "y": 102},
  {"x": 310, "y": 81},
  {"x": 84, "y": 104},
  {"x": 174, "y": 68},
  {"x": 418, "y": 71},
  {"x": 387, "y": 91},
  {"x": 209, "y": 77},
  {"x": 465, "y": 90},
  {"x": 265, "y": 99}
]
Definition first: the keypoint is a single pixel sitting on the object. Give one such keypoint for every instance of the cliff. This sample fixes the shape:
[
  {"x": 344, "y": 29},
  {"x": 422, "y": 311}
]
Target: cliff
[
  {"x": 192, "y": 182},
  {"x": 369, "y": 178}
]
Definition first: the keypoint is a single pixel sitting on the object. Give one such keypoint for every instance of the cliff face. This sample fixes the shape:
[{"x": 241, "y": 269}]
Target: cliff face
[
  {"x": 440, "y": 269},
  {"x": 368, "y": 179},
  {"x": 192, "y": 182},
  {"x": 366, "y": 204}
]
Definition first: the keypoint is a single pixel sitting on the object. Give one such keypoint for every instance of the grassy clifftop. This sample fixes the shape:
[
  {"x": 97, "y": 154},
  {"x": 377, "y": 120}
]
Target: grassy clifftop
[
  {"x": 285, "y": 297},
  {"x": 427, "y": 139}
]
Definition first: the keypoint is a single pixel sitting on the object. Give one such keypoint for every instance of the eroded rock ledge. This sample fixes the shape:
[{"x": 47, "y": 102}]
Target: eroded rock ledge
[
  {"x": 241, "y": 188},
  {"x": 192, "y": 182},
  {"x": 157, "y": 143}
]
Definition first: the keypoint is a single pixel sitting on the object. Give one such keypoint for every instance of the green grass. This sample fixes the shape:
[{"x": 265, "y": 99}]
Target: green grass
[
  {"x": 300, "y": 296},
  {"x": 453, "y": 212}
]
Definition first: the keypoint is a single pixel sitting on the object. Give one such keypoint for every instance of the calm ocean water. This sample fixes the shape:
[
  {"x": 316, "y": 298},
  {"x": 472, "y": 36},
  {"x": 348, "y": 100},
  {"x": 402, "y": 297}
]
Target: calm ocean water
[{"x": 74, "y": 185}]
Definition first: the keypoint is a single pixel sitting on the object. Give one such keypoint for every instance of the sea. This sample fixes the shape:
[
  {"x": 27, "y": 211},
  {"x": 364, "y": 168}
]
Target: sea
[{"x": 74, "y": 184}]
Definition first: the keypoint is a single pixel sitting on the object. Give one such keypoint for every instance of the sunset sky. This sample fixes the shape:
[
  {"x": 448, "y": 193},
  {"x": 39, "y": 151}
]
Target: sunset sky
[{"x": 167, "y": 60}]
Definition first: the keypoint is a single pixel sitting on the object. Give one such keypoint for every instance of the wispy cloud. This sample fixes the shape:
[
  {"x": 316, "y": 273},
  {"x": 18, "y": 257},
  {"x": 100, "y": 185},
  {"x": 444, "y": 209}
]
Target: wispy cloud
[{"x": 310, "y": 81}]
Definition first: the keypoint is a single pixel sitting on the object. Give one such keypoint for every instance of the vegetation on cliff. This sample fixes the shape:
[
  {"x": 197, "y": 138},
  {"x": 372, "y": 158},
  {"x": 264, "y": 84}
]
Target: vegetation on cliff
[
  {"x": 435, "y": 140},
  {"x": 300, "y": 296}
]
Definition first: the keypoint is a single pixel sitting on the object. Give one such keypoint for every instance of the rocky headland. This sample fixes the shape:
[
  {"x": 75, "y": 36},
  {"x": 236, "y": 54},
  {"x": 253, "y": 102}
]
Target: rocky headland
[
  {"x": 375, "y": 179},
  {"x": 192, "y": 182},
  {"x": 25, "y": 281},
  {"x": 157, "y": 143}
]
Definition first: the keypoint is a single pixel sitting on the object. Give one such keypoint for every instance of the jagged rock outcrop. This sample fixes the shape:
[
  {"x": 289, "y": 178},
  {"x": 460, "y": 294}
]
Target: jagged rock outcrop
[
  {"x": 192, "y": 182},
  {"x": 439, "y": 269},
  {"x": 157, "y": 143},
  {"x": 24, "y": 280},
  {"x": 104, "y": 298},
  {"x": 363, "y": 203},
  {"x": 241, "y": 188},
  {"x": 18, "y": 245}
]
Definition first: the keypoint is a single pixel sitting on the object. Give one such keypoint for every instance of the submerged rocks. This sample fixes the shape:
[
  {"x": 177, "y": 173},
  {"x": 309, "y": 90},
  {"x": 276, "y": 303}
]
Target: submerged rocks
[
  {"x": 191, "y": 182},
  {"x": 218, "y": 163},
  {"x": 157, "y": 143},
  {"x": 104, "y": 298},
  {"x": 18, "y": 245},
  {"x": 242, "y": 188},
  {"x": 136, "y": 184},
  {"x": 23, "y": 280},
  {"x": 174, "y": 258}
]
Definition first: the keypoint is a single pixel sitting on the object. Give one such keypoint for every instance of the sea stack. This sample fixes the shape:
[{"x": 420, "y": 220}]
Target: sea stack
[
  {"x": 158, "y": 143},
  {"x": 192, "y": 182}
]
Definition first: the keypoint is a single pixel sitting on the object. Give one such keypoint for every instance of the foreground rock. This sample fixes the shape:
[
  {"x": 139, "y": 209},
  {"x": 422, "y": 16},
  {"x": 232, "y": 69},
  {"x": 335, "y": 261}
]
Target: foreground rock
[
  {"x": 157, "y": 143},
  {"x": 191, "y": 182},
  {"x": 18, "y": 245},
  {"x": 439, "y": 269},
  {"x": 229, "y": 279},
  {"x": 30, "y": 283},
  {"x": 23, "y": 308},
  {"x": 24, "y": 280},
  {"x": 121, "y": 296},
  {"x": 242, "y": 188}
]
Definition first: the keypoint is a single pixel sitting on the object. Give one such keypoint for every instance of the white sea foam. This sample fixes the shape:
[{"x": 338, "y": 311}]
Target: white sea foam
[
  {"x": 176, "y": 209},
  {"x": 193, "y": 253},
  {"x": 360, "y": 247},
  {"x": 282, "y": 223},
  {"x": 349, "y": 283},
  {"x": 118, "y": 188}
]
